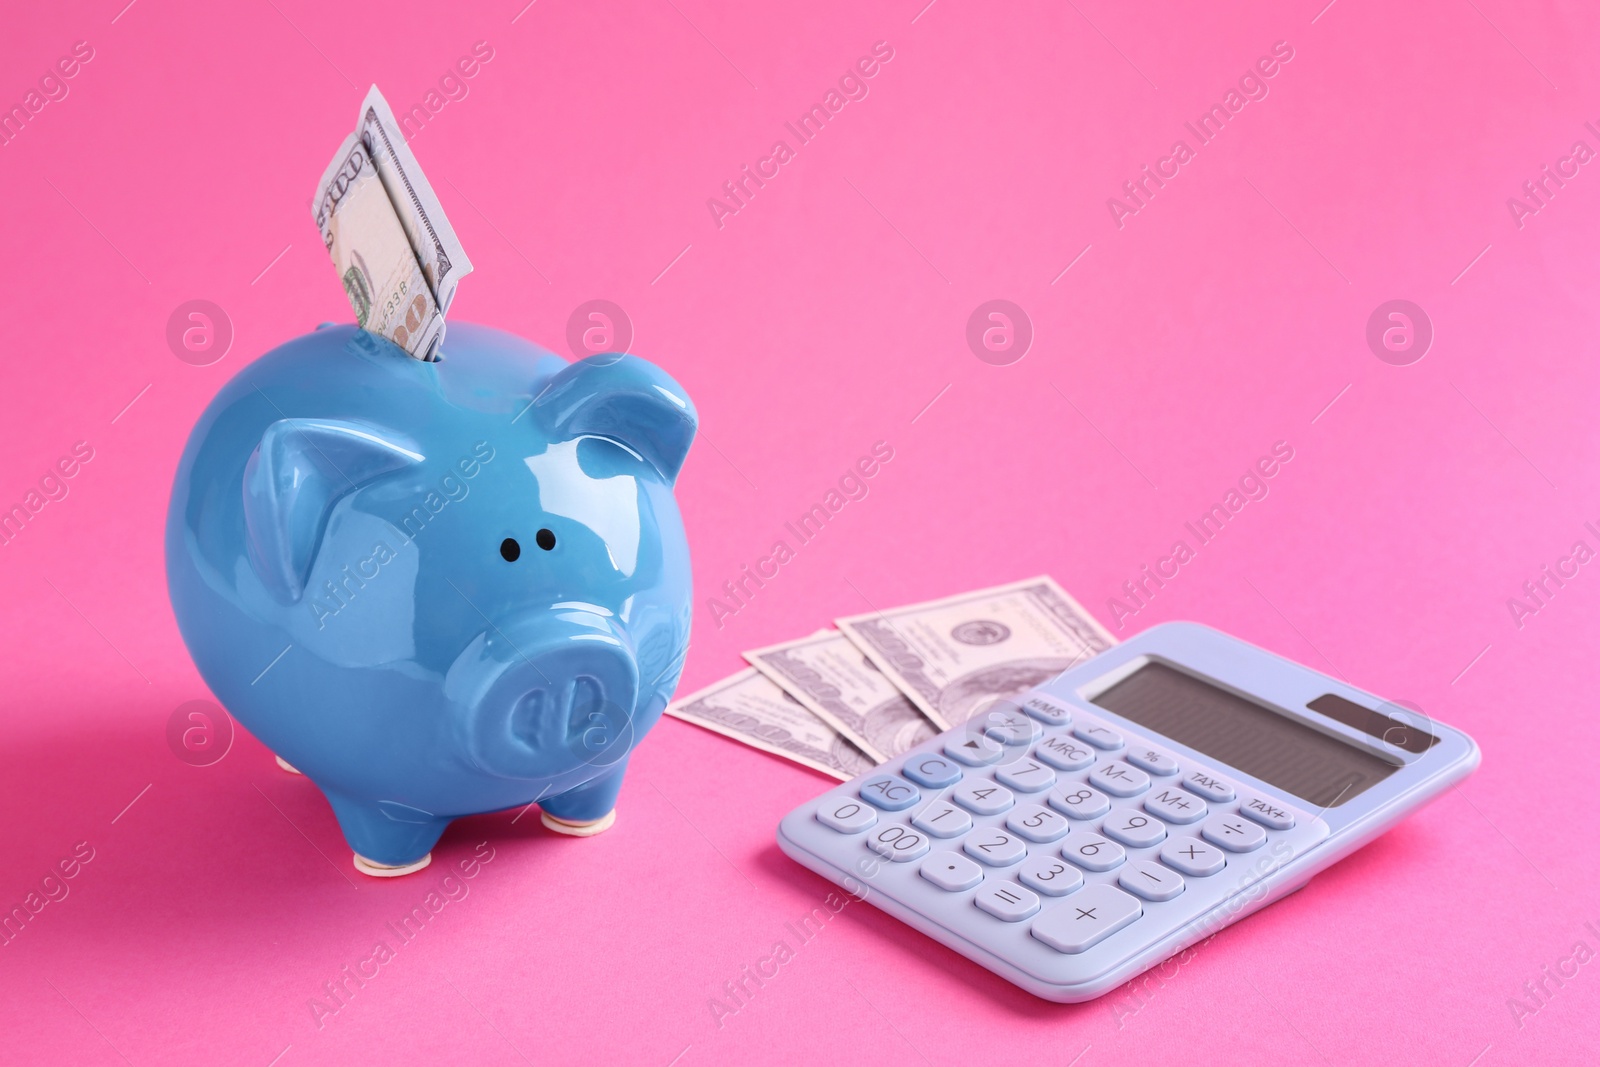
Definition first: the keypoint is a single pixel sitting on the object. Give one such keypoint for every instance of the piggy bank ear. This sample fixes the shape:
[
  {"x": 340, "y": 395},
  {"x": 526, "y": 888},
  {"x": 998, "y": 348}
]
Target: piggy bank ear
[
  {"x": 624, "y": 398},
  {"x": 294, "y": 477}
]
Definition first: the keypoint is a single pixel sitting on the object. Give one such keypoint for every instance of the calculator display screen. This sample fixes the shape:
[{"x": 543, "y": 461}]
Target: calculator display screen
[{"x": 1319, "y": 769}]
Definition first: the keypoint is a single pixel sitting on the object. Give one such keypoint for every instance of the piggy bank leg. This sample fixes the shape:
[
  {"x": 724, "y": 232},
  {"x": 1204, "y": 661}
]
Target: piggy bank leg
[
  {"x": 587, "y": 810},
  {"x": 386, "y": 846}
]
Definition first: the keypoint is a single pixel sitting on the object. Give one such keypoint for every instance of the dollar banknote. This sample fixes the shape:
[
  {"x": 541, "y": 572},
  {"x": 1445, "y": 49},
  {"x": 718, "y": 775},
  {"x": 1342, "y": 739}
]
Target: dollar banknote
[
  {"x": 954, "y": 657},
  {"x": 751, "y": 708},
  {"x": 396, "y": 253},
  {"x": 830, "y": 676}
]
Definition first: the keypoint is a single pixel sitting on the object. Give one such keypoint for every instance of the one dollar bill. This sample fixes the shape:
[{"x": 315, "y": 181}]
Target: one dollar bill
[
  {"x": 954, "y": 657},
  {"x": 750, "y": 708},
  {"x": 396, "y": 253}
]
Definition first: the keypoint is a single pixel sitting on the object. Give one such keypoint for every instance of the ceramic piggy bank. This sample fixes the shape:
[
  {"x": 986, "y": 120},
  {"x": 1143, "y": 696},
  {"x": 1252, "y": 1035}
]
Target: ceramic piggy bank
[{"x": 437, "y": 589}]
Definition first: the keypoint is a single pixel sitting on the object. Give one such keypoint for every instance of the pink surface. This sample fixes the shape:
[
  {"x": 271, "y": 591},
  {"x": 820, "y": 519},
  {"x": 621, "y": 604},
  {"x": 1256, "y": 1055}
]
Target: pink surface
[{"x": 1225, "y": 315}]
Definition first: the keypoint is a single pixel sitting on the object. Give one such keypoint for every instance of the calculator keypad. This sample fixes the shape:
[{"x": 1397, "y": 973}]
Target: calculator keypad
[{"x": 1037, "y": 832}]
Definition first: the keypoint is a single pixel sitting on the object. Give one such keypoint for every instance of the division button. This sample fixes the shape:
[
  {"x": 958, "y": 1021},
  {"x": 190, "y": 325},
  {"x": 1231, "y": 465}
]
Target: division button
[{"x": 1233, "y": 832}]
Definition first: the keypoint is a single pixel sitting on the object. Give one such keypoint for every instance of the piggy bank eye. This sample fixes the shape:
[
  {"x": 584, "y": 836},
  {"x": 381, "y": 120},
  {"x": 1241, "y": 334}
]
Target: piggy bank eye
[
  {"x": 546, "y": 540},
  {"x": 510, "y": 550}
]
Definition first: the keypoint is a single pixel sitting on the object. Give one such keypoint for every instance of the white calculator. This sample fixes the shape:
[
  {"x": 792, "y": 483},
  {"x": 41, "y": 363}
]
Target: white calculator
[{"x": 1077, "y": 834}]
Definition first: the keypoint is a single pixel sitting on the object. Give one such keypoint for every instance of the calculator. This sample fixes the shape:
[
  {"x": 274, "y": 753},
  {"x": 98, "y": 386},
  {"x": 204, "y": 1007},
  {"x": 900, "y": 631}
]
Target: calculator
[{"x": 1072, "y": 836}]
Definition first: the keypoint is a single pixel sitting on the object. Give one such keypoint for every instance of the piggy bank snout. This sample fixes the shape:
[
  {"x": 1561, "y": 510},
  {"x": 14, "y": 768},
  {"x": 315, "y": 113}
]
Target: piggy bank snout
[{"x": 558, "y": 694}]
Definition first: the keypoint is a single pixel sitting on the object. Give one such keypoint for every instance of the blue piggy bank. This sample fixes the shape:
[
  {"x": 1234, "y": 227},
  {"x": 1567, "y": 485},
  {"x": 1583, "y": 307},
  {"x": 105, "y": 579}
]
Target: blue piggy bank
[{"x": 438, "y": 589}]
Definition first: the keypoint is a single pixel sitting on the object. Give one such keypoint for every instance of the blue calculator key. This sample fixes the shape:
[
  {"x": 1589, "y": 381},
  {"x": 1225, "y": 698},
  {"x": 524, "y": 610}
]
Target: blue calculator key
[
  {"x": 1064, "y": 754},
  {"x": 1007, "y": 901},
  {"x": 1090, "y": 917},
  {"x": 1265, "y": 812},
  {"x": 942, "y": 820},
  {"x": 846, "y": 816},
  {"x": 899, "y": 843},
  {"x": 931, "y": 770},
  {"x": 1176, "y": 805},
  {"x": 1079, "y": 801},
  {"x": 995, "y": 847},
  {"x": 1194, "y": 858},
  {"x": 1049, "y": 875},
  {"x": 1037, "y": 824},
  {"x": 889, "y": 792},
  {"x": 1150, "y": 880},
  {"x": 1093, "y": 852},
  {"x": 1100, "y": 737},
  {"x": 1119, "y": 779},
  {"x": 1134, "y": 828},
  {"x": 974, "y": 750},
  {"x": 1007, "y": 724},
  {"x": 1047, "y": 711},
  {"x": 983, "y": 797},
  {"x": 952, "y": 872},
  {"x": 1233, "y": 832},
  {"x": 1204, "y": 785},
  {"x": 1157, "y": 763},
  {"x": 1026, "y": 776}
]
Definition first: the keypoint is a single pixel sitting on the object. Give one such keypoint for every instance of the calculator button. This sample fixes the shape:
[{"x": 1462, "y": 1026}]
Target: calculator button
[
  {"x": 846, "y": 816},
  {"x": 1134, "y": 828},
  {"x": 974, "y": 751},
  {"x": 995, "y": 847},
  {"x": 1194, "y": 858},
  {"x": 931, "y": 771},
  {"x": 1099, "y": 736},
  {"x": 1119, "y": 779},
  {"x": 1026, "y": 776},
  {"x": 1007, "y": 901},
  {"x": 1233, "y": 832},
  {"x": 1093, "y": 852},
  {"x": 1176, "y": 805},
  {"x": 1265, "y": 812},
  {"x": 1079, "y": 802},
  {"x": 942, "y": 820},
  {"x": 1202, "y": 784},
  {"x": 1006, "y": 723},
  {"x": 952, "y": 872},
  {"x": 889, "y": 792},
  {"x": 898, "y": 843},
  {"x": 983, "y": 797},
  {"x": 1150, "y": 880},
  {"x": 1049, "y": 875},
  {"x": 1087, "y": 919},
  {"x": 1063, "y": 753},
  {"x": 1037, "y": 824},
  {"x": 1046, "y": 710},
  {"x": 1158, "y": 763}
]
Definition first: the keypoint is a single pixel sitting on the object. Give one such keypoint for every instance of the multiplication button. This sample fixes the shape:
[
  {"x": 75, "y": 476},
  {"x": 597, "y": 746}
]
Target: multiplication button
[
  {"x": 846, "y": 816},
  {"x": 1194, "y": 858},
  {"x": 1265, "y": 812},
  {"x": 889, "y": 792},
  {"x": 1089, "y": 917}
]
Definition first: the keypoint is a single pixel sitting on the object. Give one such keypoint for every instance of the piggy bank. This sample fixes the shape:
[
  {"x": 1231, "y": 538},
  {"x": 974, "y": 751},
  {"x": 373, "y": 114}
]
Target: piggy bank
[{"x": 437, "y": 589}]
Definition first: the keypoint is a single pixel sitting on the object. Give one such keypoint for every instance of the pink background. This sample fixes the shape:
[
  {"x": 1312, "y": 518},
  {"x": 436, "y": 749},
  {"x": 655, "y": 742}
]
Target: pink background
[{"x": 1226, "y": 315}]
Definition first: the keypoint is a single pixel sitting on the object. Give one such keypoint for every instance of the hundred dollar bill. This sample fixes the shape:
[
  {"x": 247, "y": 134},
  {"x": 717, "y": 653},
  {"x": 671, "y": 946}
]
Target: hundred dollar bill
[
  {"x": 954, "y": 657},
  {"x": 829, "y": 675},
  {"x": 397, "y": 255},
  {"x": 750, "y": 708}
]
